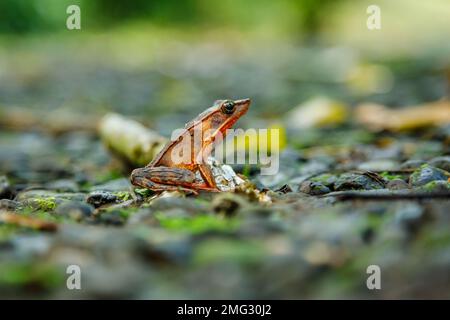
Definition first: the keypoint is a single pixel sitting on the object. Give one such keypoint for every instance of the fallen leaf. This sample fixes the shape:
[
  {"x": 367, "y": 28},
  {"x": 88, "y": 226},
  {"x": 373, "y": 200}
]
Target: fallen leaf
[
  {"x": 318, "y": 112},
  {"x": 27, "y": 222},
  {"x": 379, "y": 117}
]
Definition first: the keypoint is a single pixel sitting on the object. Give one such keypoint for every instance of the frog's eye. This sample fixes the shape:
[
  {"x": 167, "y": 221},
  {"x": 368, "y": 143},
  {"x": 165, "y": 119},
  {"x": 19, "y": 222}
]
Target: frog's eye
[{"x": 228, "y": 107}]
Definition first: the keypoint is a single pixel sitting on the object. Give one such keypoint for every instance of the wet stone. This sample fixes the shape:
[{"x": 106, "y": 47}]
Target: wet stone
[
  {"x": 437, "y": 186},
  {"x": 313, "y": 188},
  {"x": 99, "y": 198},
  {"x": 397, "y": 184},
  {"x": 426, "y": 174},
  {"x": 412, "y": 164},
  {"x": 441, "y": 163},
  {"x": 355, "y": 181},
  {"x": 75, "y": 210},
  {"x": 326, "y": 179},
  {"x": 47, "y": 200}
]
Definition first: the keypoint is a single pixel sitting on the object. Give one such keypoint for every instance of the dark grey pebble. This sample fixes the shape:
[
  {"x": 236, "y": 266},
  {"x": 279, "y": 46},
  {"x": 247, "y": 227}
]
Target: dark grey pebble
[
  {"x": 99, "y": 198},
  {"x": 313, "y": 188},
  {"x": 356, "y": 181},
  {"x": 75, "y": 210}
]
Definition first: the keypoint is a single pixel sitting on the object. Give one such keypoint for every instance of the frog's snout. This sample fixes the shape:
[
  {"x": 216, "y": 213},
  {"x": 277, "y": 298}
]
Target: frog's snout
[
  {"x": 246, "y": 101},
  {"x": 242, "y": 106}
]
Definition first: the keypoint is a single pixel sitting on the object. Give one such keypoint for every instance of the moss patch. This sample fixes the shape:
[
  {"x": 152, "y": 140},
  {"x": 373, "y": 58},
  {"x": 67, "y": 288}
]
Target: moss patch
[
  {"x": 123, "y": 195},
  {"x": 244, "y": 252},
  {"x": 386, "y": 175},
  {"x": 39, "y": 275},
  {"x": 197, "y": 224},
  {"x": 46, "y": 204}
]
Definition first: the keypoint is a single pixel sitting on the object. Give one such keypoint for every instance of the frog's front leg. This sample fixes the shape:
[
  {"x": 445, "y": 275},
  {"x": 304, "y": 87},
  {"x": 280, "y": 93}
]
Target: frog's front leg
[
  {"x": 208, "y": 177},
  {"x": 164, "y": 179}
]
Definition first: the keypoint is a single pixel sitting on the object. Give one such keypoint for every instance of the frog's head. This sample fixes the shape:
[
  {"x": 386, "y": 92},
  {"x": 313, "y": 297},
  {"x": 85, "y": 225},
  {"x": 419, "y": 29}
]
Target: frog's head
[
  {"x": 215, "y": 120},
  {"x": 227, "y": 112},
  {"x": 233, "y": 108},
  {"x": 221, "y": 116}
]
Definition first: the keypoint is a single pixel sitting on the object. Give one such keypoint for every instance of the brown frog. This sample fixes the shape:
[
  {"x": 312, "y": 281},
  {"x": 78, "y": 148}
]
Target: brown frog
[{"x": 165, "y": 172}]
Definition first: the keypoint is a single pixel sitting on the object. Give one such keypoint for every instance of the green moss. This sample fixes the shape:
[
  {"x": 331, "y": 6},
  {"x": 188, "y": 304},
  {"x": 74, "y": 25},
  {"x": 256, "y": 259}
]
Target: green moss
[
  {"x": 143, "y": 192},
  {"x": 46, "y": 204},
  {"x": 386, "y": 175},
  {"x": 437, "y": 185},
  {"x": 245, "y": 252},
  {"x": 46, "y": 276},
  {"x": 326, "y": 179},
  {"x": 123, "y": 195},
  {"x": 198, "y": 224}
]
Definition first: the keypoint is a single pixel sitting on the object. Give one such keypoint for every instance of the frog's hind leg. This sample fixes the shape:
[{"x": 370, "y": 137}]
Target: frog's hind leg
[
  {"x": 162, "y": 187},
  {"x": 164, "y": 179}
]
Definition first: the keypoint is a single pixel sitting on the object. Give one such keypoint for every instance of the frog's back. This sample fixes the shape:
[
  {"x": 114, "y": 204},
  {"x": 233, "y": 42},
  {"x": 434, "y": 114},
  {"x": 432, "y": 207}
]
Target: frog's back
[
  {"x": 169, "y": 157},
  {"x": 185, "y": 142}
]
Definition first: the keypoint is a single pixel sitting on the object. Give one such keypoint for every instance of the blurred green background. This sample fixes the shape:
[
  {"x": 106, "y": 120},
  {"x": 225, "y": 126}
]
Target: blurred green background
[{"x": 151, "y": 58}]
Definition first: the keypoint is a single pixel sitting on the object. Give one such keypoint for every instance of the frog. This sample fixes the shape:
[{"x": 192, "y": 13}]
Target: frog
[{"x": 163, "y": 173}]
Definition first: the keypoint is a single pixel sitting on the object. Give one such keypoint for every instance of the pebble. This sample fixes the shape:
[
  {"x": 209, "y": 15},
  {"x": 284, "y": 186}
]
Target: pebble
[
  {"x": 397, "y": 184},
  {"x": 313, "y": 188},
  {"x": 437, "y": 186},
  {"x": 412, "y": 164},
  {"x": 441, "y": 163},
  {"x": 99, "y": 198},
  {"x": 75, "y": 210},
  {"x": 355, "y": 181},
  {"x": 426, "y": 174}
]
